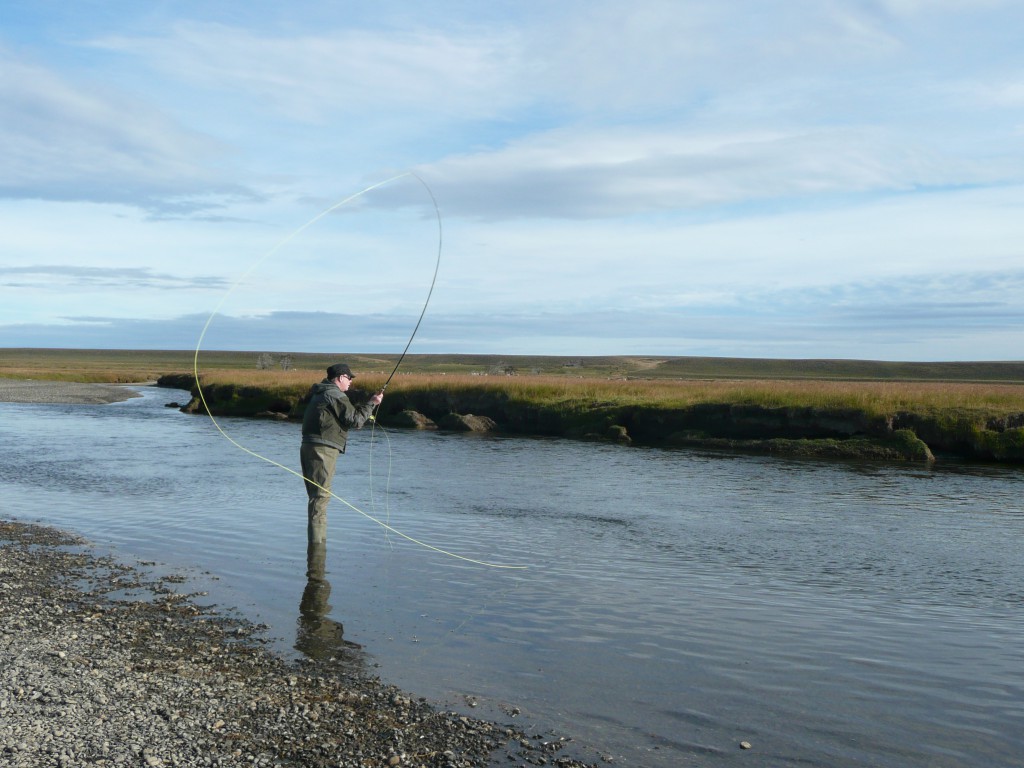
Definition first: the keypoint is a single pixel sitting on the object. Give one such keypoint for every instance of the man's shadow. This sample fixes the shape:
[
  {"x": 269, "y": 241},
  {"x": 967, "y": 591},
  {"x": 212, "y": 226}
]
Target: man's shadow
[{"x": 317, "y": 636}]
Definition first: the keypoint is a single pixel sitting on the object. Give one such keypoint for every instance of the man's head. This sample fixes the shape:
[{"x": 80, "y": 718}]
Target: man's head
[{"x": 340, "y": 369}]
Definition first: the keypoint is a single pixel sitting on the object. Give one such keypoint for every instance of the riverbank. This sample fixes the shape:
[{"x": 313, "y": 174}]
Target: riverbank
[
  {"x": 890, "y": 421},
  {"x": 842, "y": 409},
  {"x": 32, "y": 391},
  {"x": 105, "y": 665}
]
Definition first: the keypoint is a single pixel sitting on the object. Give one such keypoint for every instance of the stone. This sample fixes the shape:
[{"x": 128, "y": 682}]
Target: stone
[
  {"x": 410, "y": 419},
  {"x": 194, "y": 693},
  {"x": 459, "y": 422}
]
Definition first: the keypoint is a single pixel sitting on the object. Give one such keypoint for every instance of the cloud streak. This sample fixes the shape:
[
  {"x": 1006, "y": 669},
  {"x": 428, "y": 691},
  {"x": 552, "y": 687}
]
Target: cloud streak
[
  {"x": 68, "y": 141},
  {"x": 575, "y": 174},
  {"x": 57, "y": 277},
  {"x": 313, "y": 77},
  {"x": 900, "y": 319}
]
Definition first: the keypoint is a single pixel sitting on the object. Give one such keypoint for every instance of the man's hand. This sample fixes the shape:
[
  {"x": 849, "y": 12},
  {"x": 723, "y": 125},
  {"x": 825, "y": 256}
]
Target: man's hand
[{"x": 377, "y": 397}]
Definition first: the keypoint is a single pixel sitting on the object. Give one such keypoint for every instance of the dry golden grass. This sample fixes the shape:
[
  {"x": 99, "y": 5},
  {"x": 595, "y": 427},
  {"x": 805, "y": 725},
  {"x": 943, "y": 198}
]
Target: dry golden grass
[
  {"x": 268, "y": 379},
  {"x": 877, "y": 397},
  {"x": 872, "y": 397},
  {"x": 558, "y": 387},
  {"x": 127, "y": 375}
]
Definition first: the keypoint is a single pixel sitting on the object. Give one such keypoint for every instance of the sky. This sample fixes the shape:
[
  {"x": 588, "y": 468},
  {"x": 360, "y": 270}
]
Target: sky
[{"x": 838, "y": 179}]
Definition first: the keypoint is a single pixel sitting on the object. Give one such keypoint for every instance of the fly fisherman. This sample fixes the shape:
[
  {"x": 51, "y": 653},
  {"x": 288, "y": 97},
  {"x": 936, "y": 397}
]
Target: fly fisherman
[{"x": 328, "y": 418}]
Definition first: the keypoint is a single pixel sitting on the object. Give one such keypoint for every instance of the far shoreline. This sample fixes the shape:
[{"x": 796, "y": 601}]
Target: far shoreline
[
  {"x": 872, "y": 421},
  {"x": 67, "y": 392},
  {"x": 823, "y": 409}
]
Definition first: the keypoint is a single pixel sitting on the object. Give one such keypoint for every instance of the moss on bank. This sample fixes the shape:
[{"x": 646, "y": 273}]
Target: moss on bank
[
  {"x": 902, "y": 445},
  {"x": 990, "y": 428}
]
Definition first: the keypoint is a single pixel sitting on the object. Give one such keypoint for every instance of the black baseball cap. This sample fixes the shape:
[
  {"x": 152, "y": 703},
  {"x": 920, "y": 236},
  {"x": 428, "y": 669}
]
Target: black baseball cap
[{"x": 339, "y": 369}]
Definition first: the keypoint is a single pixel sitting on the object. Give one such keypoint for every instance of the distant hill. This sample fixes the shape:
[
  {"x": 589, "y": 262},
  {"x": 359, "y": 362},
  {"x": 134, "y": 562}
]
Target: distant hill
[
  {"x": 136, "y": 365},
  {"x": 870, "y": 370}
]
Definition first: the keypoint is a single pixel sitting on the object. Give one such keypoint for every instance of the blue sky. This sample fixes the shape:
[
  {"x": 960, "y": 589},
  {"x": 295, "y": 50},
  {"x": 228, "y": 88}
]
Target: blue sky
[{"x": 798, "y": 178}]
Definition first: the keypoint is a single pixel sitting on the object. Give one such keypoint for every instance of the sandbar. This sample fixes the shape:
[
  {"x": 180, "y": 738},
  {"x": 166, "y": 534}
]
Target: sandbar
[{"x": 71, "y": 392}]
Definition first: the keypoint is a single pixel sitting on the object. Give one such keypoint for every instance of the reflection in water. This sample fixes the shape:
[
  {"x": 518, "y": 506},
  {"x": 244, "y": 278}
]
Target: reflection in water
[{"x": 318, "y": 636}]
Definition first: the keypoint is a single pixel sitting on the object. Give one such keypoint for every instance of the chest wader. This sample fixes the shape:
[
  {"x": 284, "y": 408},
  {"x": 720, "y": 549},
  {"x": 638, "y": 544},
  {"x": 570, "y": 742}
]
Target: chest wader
[{"x": 318, "y": 462}]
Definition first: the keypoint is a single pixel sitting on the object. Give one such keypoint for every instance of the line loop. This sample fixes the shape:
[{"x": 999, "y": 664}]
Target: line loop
[{"x": 195, "y": 362}]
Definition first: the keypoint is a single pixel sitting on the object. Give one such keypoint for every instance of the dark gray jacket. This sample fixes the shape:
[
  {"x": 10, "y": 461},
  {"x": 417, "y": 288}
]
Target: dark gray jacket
[{"x": 330, "y": 415}]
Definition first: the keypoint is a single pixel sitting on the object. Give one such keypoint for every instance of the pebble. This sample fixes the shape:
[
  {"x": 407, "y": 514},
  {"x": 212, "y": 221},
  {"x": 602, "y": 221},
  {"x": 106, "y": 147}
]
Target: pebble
[{"x": 86, "y": 679}]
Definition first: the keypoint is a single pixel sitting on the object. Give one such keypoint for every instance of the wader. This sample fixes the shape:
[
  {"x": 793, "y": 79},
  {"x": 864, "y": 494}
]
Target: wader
[{"x": 318, "y": 462}]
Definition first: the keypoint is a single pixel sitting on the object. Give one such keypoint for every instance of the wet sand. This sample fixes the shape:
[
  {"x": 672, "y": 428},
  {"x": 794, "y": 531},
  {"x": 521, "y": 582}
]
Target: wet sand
[{"x": 32, "y": 391}]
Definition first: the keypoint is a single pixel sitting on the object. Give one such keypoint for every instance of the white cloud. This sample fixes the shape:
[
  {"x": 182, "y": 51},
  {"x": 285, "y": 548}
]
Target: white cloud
[
  {"x": 620, "y": 264},
  {"x": 341, "y": 72},
  {"x": 671, "y": 56},
  {"x": 917, "y": 7},
  {"x": 1008, "y": 94},
  {"x": 59, "y": 277},
  {"x": 594, "y": 174},
  {"x": 965, "y": 315},
  {"x": 590, "y": 58},
  {"x": 67, "y": 140}
]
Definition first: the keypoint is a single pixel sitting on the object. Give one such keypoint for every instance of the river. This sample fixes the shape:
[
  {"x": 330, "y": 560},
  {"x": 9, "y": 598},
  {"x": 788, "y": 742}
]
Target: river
[{"x": 673, "y": 605}]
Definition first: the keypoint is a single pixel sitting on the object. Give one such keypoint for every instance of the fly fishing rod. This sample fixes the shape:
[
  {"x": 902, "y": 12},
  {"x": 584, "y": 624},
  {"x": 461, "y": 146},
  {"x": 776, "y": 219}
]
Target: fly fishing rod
[{"x": 433, "y": 282}]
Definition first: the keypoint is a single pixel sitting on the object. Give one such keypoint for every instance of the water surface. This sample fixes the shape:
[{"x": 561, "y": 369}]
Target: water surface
[{"x": 675, "y": 603}]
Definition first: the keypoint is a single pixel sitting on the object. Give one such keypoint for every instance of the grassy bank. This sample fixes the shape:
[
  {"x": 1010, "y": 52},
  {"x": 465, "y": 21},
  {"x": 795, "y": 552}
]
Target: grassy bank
[
  {"x": 879, "y": 420},
  {"x": 875, "y": 398},
  {"x": 817, "y": 407}
]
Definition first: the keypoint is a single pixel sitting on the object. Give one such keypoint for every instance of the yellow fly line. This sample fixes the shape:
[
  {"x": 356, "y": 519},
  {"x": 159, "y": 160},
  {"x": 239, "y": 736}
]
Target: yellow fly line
[{"x": 216, "y": 424}]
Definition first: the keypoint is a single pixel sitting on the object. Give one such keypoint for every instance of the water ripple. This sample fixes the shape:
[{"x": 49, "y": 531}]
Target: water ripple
[{"x": 832, "y": 614}]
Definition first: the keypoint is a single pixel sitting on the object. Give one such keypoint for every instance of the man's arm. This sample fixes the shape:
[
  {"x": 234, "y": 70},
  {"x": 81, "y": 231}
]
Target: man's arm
[{"x": 352, "y": 416}]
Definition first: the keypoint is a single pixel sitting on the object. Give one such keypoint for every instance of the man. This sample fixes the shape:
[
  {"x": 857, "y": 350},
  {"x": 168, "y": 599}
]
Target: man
[{"x": 328, "y": 418}]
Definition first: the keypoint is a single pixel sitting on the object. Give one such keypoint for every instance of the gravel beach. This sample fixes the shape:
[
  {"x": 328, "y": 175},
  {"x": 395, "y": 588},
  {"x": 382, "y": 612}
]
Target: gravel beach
[
  {"x": 32, "y": 391},
  {"x": 103, "y": 665}
]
